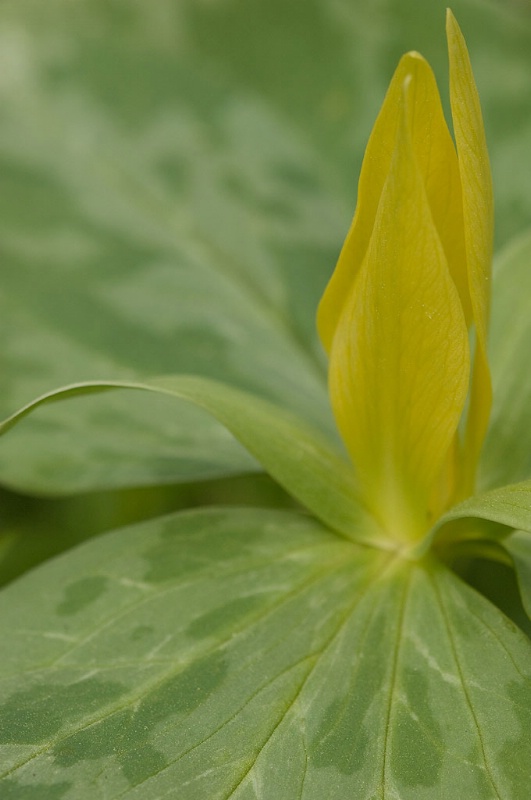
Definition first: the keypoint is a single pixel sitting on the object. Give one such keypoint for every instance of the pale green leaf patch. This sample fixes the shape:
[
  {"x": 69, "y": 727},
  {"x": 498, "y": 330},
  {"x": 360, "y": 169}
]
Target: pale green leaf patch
[{"x": 252, "y": 654}]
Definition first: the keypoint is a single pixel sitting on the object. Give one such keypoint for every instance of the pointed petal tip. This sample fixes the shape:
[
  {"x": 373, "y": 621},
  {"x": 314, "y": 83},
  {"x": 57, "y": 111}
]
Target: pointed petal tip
[{"x": 452, "y": 25}]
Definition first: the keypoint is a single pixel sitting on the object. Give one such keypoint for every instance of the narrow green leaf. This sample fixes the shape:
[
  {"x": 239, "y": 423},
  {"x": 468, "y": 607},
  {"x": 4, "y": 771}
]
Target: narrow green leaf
[
  {"x": 509, "y": 506},
  {"x": 518, "y": 545},
  {"x": 135, "y": 440},
  {"x": 299, "y": 458},
  {"x": 463, "y": 532},
  {"x": 252, "y": 655}
]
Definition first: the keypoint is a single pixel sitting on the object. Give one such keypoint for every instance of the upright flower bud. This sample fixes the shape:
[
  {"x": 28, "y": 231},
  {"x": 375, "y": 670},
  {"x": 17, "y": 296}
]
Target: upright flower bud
[{"x": 412, "y": 279}]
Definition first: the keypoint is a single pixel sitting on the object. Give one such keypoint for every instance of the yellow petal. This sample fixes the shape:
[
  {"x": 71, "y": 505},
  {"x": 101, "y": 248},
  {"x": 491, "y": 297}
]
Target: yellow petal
[
  {"x": 399, "y": 360},
  {"x": 437, "y": 161},
  {"x": 477, "y": 201}
]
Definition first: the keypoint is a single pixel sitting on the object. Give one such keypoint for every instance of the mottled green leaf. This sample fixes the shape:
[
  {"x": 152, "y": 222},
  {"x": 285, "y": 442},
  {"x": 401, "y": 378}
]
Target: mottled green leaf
[
  {"x": 248, "y": 654},
  {"x": 176, "y": 179},
  {"x": 154, "y": 218}
]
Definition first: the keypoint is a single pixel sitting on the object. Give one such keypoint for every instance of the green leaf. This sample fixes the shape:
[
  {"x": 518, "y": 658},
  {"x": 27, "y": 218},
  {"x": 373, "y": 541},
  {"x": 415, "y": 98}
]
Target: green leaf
[
  {"x": 254, "y": 655},
  {"x": 518, "y": 544},
  {"x": 509, "y": 506},
  {"x": 481, "y": 526},
  {"x": 176, "y": 180},
  {"x": 294, "y": 454},
  {"x": 507, "y": 452},
  {"x": 462, "y": 532}
]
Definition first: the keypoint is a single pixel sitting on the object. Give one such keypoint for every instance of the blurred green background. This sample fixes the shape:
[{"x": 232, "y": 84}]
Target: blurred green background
[{"x": 176, "y": 179}]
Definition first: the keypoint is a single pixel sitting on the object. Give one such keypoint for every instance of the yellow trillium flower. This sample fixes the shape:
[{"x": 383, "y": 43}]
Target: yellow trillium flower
[{"x": 404, "y": 318}]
